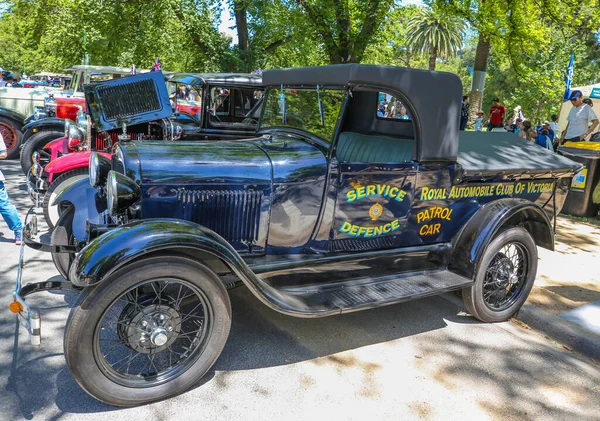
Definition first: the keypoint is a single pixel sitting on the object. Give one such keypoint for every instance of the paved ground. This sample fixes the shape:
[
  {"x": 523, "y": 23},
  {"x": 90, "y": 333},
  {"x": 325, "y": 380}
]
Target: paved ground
[{"x": 424, "y": 360}]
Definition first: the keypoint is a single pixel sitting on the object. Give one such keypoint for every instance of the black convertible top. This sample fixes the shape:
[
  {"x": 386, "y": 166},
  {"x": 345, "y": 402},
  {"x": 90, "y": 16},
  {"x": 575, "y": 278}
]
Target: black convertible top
[
  {"x": 506, "y": 153},
  {"x": 435, "y": 98}
]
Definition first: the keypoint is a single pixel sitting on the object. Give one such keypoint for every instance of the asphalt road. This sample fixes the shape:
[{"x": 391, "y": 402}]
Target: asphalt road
[{"x": 423, "y": 360}]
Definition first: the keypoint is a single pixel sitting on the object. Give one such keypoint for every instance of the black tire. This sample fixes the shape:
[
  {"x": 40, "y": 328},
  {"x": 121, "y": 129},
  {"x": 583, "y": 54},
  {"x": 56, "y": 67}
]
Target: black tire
[
  {"x": 36, "y": 143},
  {"x": 505, "y": 276},
  {"x": 86, "y": 331},
  {"x": 62, "y": 235},
  {"x": 12, "y": 135},
  {"x": 59, "y": 183}
]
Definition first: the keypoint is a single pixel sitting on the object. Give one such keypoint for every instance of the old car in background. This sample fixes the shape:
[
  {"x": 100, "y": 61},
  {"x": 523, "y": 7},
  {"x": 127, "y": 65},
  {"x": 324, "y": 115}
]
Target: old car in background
[
  {"x": 234, "y": 114},
  {"x": 329, "y": 209},
  {"x": 46, "y": 121}
]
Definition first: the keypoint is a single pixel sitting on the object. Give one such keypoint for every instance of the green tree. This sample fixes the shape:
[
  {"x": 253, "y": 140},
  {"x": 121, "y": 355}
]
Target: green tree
[
  {"x": 435, "y": 32},
  {"x": 517, "y": 30}
]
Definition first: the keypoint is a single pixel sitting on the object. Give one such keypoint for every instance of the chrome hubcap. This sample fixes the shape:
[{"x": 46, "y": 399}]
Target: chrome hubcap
[
  {"x": 159, "y": 337},
  {"x": 154, "y": 327}
]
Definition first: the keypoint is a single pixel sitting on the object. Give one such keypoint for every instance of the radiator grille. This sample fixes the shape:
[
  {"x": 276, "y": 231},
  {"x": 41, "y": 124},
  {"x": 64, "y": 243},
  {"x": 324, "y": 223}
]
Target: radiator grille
[
  {"x": 102, "y": 143},
  {"x": 128, "y": 99},
  {"x": 233, "y": 214}
]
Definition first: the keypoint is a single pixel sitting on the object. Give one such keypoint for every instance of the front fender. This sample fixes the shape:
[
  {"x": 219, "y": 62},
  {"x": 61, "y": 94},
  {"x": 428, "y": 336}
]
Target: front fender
[
  {"x": 51, "y": 122},
  {"x": 45, "y": 124},
  {"x": 470, "y": 243},
  {"x": 70, "y": 162},
  {"x": 114, "y": 249},
  {"x": 89, "y": 206},
  {"x": 12, "y": 115},
  {"x": 57, "y": 147}
]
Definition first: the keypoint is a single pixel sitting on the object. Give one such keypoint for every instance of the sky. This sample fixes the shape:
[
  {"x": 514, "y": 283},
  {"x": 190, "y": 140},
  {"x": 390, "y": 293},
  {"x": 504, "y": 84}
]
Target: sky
[{"x": 228, "y": 21}]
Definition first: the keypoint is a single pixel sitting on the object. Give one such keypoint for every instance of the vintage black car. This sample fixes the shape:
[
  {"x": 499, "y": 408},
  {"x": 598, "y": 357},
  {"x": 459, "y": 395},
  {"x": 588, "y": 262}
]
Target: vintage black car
[{"x": 334, "y": 207}]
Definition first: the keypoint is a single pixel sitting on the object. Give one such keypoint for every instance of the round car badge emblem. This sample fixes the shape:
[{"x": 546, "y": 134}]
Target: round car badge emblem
[{"x": 375, "y": 211}]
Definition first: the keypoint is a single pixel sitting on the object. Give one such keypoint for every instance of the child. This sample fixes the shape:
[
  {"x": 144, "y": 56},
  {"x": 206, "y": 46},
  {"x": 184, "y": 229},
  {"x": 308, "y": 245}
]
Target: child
[{"x": 479, "y": 121}]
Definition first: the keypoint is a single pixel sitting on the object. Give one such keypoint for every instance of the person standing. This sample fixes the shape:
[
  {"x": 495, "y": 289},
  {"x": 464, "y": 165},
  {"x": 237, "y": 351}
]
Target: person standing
[
  {"x": 464, "y": 112},
  {"x": 7, "y": 209},
  {"x": 479, "y": 121},
  {"x": 579, "y": 120},
  {"x": 497, "y": 115},
  {"x": 554, "y": 124}
]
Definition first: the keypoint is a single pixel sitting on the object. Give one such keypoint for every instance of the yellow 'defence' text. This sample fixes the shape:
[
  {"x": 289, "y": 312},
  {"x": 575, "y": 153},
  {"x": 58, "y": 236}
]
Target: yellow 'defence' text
[{"x": 358, "y": 231}]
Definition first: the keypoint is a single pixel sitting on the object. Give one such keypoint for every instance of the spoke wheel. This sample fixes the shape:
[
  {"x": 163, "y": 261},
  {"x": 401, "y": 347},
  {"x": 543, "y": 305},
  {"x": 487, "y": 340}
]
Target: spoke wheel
[
  {"x": 12, "y": 137},
  {"x": 148, "y": 332},
  {"x": 153, "y": 332},
  {"x": 505, "y": 276}
]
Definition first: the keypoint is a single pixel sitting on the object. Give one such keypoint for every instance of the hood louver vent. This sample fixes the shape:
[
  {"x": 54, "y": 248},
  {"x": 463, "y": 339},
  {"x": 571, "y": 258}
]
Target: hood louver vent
[
  {"x": 128, "y": 99},
  {"x": 233, "y": 214}
]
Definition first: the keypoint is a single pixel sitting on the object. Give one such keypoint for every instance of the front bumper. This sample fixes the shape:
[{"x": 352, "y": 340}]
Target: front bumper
[{"x": 28, "y": 316}]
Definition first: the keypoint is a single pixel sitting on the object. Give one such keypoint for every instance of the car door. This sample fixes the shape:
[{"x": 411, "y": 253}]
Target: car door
[{"x": 375, "y": 183}]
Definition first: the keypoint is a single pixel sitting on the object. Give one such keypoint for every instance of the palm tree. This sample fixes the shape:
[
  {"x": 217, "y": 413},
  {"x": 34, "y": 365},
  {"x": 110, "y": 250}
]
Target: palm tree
[{"x": 433, "y": 31}]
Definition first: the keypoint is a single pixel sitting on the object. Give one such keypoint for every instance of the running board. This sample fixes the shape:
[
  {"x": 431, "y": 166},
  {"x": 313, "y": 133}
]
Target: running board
[{"x": 362, "y": 294}]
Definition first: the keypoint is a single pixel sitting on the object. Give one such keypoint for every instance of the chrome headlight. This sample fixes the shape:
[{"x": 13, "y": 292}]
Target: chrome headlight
[
  {"x": 75, "y": 136},
  {"x": 39, "y": 113},
  {"x": 99, "y": 168},
  {"x": 50, "y": 103},
  {"x": 121, "y": 192},
  {"x": 82, "y": 123},
  {"x": 68, "y": 123}
]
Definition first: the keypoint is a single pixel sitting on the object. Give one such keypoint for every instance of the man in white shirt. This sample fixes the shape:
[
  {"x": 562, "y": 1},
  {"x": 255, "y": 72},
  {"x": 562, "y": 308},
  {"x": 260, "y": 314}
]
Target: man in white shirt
[
  {"x": 7, "y": 209},
  {"x": 579, "y": 119}
]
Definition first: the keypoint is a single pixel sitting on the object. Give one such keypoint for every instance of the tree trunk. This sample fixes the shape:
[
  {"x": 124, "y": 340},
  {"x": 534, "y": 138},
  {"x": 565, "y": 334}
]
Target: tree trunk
[
  {"x": 241, "y": 24},
  {"x": 482, "y": 53},
  {"x": 433, "y": 58}
]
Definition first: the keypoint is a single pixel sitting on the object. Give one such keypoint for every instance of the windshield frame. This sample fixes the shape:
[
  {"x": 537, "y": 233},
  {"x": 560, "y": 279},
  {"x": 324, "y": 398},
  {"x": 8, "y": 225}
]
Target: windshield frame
[{"x": 324, "y": 142}]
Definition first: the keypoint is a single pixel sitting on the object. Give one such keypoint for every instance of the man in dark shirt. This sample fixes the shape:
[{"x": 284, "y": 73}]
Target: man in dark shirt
[{"x": 496, "y": 116}]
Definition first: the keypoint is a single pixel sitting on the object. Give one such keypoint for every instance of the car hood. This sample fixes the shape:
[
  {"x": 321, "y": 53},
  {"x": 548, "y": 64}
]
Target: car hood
[{"x": 196, "y": 162}]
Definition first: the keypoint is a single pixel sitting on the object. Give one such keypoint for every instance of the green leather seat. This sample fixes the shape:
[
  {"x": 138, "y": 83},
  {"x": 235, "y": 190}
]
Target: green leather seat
[{"x": 356, "y": 147}]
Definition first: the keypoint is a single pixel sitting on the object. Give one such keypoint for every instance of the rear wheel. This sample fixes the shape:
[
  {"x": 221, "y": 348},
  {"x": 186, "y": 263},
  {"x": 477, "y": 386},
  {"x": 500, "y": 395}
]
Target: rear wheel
[
  {"x": 504, "y": 278},
  {"x": 59, "y": 185},
  {"x": 148, "y": 332},
  {"x": 11, "y": 133},
  {"x": 37, "y": 143},
  {"x": 62, "y": 235}
]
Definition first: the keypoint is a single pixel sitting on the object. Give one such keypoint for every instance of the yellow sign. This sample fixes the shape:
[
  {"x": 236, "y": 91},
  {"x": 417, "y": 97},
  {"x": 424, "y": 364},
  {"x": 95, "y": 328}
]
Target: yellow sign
[{"x": 579, "y": 179}]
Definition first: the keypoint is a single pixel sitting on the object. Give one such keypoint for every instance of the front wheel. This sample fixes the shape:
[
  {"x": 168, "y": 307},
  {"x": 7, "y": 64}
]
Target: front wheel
[
  {"x": 505, "y": 276},
  {"x": 36, "y": 143},
  {"x": 62, "y": 235},
  {"x": 148, "y": 332},
  {"x": 59, "y": 185}
]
